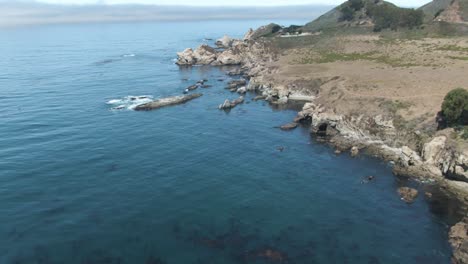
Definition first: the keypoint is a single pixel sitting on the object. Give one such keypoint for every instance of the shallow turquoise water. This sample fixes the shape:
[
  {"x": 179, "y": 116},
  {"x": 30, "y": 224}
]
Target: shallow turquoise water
[{"x": 81, "y": 183}]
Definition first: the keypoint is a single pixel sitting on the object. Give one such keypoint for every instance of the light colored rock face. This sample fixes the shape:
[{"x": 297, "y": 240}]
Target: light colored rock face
[
  {"x": 381, "y": 122},
  {"x": 458, "y": 238},
  {"x": 205, "y": 55},
  {"x": 434, "y": 150},
  {"x": 228, "y": 57},
  {"x": 249, "y": 34},
  {"x": 409, "y": 157},
  {"x": 186, "y": 57}
]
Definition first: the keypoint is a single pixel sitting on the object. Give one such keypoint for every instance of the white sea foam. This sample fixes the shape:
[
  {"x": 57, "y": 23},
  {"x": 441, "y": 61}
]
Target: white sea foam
[
  {"x": 128, "y": 55},
  {"x": 129, "y": 102}
]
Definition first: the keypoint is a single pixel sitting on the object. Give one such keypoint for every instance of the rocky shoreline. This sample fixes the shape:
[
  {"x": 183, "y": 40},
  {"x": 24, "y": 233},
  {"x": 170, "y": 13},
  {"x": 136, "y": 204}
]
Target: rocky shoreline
[{"x": 433, "y": 160}]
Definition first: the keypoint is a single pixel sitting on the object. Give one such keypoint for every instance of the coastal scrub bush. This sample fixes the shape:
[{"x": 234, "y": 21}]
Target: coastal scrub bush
[
  {"x": 455, "y": 107},
  {"x": 356, "y": 5},
  {"x": 347, "y": 13},
  {"x": 464, "y": 134}
]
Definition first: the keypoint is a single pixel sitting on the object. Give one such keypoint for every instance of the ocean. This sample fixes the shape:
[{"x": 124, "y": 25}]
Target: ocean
[{"x": 84, "y": 182}]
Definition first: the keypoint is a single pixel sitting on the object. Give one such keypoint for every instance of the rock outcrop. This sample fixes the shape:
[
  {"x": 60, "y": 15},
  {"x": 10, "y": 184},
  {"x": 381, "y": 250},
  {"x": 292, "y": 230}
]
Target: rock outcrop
[
  {"x": 228, "y": 57},
  {"x": 458, "y": 238},
  {"x": 249, "y": 35},
  {"x": 203, "y": 55},
  {"x": 167, "y": 102}
]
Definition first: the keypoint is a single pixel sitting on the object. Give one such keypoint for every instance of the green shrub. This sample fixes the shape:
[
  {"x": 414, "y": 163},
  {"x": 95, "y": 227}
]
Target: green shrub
[
  {"x": 455, "y": 107},
  {"x": 464, "y": 134},
  {"x": 347, "y": 13}
]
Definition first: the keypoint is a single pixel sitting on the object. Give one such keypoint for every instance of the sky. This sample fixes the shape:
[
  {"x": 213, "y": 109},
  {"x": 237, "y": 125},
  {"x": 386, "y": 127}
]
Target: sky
[
  {"x": 226, "y": 3},
  {"x": 28, "y": 12}
]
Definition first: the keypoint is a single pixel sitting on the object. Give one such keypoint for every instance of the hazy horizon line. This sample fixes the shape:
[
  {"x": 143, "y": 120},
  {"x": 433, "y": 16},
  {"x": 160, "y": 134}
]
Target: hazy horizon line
[{"x": 31, "y": 13}]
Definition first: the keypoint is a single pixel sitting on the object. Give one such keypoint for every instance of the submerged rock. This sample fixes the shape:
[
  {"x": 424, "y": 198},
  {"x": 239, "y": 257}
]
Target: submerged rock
[
  {"x": 225, "y": 105},
  {"x": 192, "y": 87},
  {"x": 289, "y": 126},
  {"x": 236, "y": 83},
  {"x": 242, "y": 90},
  {"x": 231, "y": 104},
  {"x": 259, "y": 97},
  {"x": 408, "y": 194},
  {"x": 166, "y": 102},
  {"x": 354, "y": 151}
]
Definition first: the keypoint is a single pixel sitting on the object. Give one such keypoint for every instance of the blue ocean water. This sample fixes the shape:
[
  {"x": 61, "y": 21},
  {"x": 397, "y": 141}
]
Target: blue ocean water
[{"x": 82, "y": 183}]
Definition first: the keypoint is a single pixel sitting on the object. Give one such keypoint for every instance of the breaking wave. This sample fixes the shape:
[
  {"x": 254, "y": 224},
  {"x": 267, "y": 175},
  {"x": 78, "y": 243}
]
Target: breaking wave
[{"x": 129, "y": 102}]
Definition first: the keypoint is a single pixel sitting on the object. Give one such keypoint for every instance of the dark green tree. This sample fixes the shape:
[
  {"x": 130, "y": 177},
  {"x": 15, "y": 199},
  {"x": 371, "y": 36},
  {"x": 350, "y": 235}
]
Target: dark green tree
[
  {"x": 356, "y": 5},
  {"x": 455, "y": 107},
  {"x": 347, "y": 13}
]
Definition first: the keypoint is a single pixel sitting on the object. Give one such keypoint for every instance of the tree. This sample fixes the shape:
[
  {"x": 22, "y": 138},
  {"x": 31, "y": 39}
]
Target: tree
[
  {"x": 356, "y": 5},
  {"x": 455, "y": 107},
  {"x": 347, "y": 13}
]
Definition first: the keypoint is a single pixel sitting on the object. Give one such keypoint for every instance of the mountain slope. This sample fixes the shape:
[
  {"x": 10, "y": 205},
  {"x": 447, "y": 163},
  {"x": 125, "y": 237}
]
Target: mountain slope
[
  {"x": 453, "y": 11},
  {"x": 376, "y": 14}
]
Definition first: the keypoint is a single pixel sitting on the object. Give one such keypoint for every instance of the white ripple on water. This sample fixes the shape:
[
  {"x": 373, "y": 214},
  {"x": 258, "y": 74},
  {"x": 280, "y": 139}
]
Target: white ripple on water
[{"x": 129, "y": 102}]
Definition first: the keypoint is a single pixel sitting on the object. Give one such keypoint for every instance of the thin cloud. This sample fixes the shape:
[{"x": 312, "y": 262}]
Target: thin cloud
[{"x": 27, "y": 13}]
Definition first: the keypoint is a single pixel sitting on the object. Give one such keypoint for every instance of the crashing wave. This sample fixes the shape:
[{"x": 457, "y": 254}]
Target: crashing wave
[{"x": 129, "y": 102}]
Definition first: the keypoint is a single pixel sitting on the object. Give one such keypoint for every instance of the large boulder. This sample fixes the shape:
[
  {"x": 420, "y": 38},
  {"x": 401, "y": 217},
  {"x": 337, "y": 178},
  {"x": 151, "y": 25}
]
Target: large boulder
[
  {"x": 205, "y": 55},
  {"x": 434, "y": 151},
  {"x": 229, "y": 57},
  {"x": 458, "y": 238},
  {"x": 227, "y": 105},
  {"x": 186, "y": 57}
]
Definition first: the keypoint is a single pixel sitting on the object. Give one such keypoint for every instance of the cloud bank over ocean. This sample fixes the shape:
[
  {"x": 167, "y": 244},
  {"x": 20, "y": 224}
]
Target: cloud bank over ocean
[{"x": 25, "y": 12}]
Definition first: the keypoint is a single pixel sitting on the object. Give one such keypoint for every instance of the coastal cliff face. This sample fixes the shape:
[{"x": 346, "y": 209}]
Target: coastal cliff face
[{"x": 354, "y": 98}]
